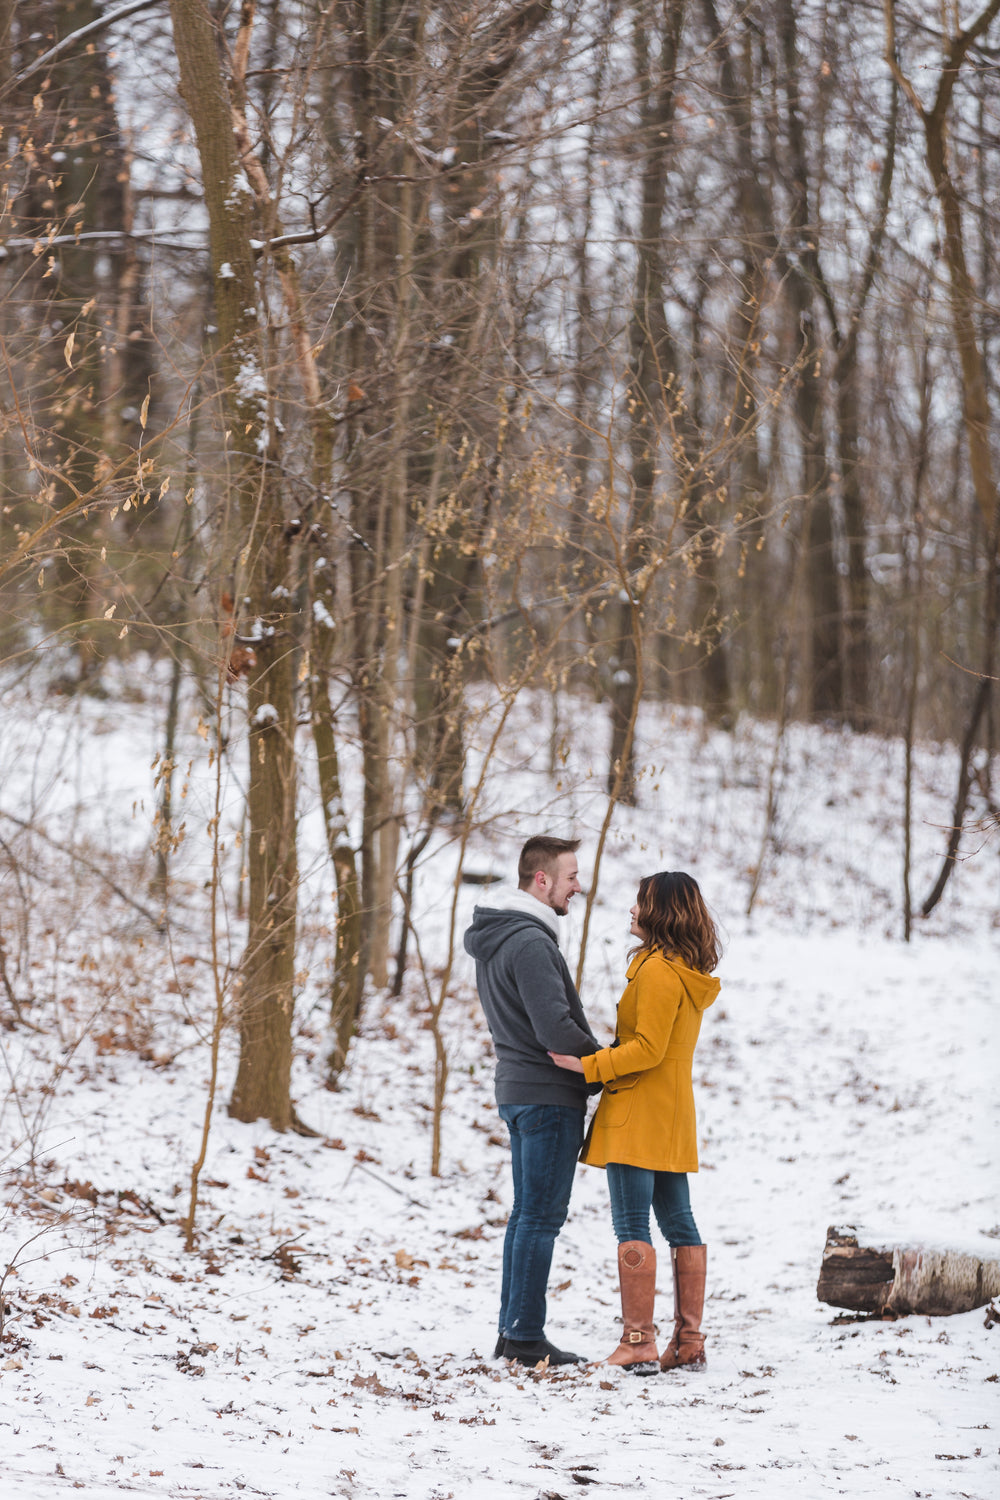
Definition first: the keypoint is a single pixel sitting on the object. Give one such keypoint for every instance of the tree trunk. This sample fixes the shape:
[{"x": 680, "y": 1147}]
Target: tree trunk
[
  {"x": 748, "y": 478},
  {"x": 914, "y": 576},
  {"x": 964, "y": 298},
  {"x": 824, "y": 687},
  {"x": 74, "y": 175},
  {"x": 651, "y": 358},
  {"x": 704, "y": 533},
  {"x": 264, "y": 614},
  {"x": 348, "y": 977},
  {"x": 825, "y": 682},
  {"x": 381, "y": 45},
  {"x": 460, "y": 283},
  {"x": 965, "y": 303}
]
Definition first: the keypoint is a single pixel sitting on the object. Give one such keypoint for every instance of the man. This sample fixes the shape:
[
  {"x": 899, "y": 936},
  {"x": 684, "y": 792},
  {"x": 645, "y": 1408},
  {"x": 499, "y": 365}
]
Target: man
[{"x": 532, "y": 1008}]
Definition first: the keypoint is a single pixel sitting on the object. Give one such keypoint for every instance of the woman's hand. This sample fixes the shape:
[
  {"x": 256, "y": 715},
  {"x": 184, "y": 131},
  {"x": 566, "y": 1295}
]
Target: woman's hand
[{"x": 563, "y": 1060}]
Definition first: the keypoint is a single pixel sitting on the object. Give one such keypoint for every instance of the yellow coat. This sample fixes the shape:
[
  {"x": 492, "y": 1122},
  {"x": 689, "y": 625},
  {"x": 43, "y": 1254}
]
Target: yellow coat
[{"x": 646, "y": 1116}]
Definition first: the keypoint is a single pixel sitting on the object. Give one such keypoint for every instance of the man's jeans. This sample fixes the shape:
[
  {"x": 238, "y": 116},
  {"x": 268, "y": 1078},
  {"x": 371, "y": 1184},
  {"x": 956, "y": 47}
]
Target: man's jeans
[
  {"x": 545, "y": 1141},
  {"x": 634, "y": 1190}
]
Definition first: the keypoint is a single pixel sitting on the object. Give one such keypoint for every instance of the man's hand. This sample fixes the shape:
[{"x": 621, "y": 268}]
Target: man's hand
[{"x": 563, "y": 1060}]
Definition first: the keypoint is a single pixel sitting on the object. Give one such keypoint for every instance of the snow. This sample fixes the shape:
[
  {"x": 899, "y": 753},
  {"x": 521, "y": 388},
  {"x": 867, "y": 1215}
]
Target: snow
[
  {"x": 239, "y": 189},
  {"x": 250, "y": 385},
  {"x": 332, "y": 1331}
]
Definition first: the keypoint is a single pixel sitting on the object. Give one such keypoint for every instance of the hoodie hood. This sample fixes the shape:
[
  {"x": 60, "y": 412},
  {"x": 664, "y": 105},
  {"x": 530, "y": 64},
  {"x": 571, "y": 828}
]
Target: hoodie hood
[
  {"x": 503, "y": 914},
  {"x": 514, "y": 901}
]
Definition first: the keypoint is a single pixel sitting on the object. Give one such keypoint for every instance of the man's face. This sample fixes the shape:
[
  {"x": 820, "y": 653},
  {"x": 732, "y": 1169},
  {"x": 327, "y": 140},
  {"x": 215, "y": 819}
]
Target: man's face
[{"x": 556, "y": 890}]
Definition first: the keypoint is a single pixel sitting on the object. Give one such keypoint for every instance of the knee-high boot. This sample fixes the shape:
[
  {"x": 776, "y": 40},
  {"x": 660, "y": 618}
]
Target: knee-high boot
[
  {"x": 637, "y": 1279},
  {"x": 687, "y": 1343}
]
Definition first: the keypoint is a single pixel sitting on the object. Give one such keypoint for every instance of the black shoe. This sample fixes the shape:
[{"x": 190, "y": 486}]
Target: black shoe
[
  {"x": 534, "y": 1351},
  {"x": 498, "y": 1351}
]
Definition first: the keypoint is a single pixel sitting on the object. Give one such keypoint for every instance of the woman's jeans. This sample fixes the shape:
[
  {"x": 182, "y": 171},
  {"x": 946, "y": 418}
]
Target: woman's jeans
[
  {"x": 545, "y": 1141},
  {"x": 634, "y": 1190}
]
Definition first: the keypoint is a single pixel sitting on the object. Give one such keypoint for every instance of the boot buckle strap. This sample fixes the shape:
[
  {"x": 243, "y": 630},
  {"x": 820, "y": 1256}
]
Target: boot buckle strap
[{"x": 635, "y": 1337}]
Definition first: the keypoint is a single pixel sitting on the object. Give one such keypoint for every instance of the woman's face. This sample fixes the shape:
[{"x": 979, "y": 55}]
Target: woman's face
[{"x": 635, "y": 929}]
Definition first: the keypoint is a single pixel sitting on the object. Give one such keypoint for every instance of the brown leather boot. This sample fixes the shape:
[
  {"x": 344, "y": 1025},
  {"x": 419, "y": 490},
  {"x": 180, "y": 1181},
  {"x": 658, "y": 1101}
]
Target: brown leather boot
[
  {"x": 637, "y": 1278},
  {"x": 687, "y": 1344}
]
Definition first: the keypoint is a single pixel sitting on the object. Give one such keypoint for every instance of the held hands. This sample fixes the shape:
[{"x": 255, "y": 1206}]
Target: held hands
[{"x": 562, "y": 1060}]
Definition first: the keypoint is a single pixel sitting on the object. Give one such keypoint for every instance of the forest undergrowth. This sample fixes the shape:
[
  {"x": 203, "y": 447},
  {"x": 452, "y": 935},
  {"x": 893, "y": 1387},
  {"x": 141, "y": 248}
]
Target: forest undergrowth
[{"x": 330, "y": 1330}]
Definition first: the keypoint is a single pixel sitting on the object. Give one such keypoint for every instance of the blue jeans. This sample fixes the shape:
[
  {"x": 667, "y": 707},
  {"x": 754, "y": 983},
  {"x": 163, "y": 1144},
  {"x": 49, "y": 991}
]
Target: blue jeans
[
  {"x": 545, "y": 1141},
  {"x": 634, "y": 1190}
]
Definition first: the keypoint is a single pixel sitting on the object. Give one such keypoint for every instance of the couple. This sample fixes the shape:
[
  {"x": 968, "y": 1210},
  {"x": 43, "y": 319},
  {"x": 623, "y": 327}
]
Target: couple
[{"x": 643, "y": 1131}]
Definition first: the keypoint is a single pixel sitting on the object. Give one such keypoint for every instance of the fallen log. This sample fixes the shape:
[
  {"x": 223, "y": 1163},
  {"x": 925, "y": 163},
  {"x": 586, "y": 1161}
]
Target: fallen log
[{"x": 868, "y": 1273}]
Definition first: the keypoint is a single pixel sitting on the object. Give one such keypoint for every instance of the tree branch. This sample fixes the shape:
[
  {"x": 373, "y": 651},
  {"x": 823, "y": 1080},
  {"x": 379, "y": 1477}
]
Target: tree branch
[
  {"x": 22, "y": 244},
  {"x": 88, "y": 864},
  {"x": 960, "y": 45},
  {"x": 68, "y": 43}
]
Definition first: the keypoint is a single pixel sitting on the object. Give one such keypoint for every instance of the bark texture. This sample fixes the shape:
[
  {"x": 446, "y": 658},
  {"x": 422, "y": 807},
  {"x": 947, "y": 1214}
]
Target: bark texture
[
  {"x": 264, "y": 573},
  {"x": 883, "y": 1277}
]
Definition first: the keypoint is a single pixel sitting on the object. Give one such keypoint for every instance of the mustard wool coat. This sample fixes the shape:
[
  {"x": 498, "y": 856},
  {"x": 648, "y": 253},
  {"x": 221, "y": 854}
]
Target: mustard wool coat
[{"x": 645, "y": 1117}]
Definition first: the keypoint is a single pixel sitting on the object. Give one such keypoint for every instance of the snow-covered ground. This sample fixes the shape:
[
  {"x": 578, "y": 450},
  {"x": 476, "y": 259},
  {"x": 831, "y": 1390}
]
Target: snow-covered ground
[{"x": 331, "y": 1334}]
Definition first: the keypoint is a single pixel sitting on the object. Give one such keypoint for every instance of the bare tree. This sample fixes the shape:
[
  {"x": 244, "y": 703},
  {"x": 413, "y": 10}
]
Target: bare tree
[
  {"x": 968, "y": 342},
  {"x": 264, "y": 571}
]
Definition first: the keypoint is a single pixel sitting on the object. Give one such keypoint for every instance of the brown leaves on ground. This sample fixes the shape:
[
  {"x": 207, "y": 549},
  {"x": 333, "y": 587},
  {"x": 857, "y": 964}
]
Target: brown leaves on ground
[
  {"x": 371, "y": 1383},
  {"x": 406, "y": 1262}
]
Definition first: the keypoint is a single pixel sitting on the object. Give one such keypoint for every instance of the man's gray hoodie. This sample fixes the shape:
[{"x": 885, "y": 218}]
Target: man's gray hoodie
[{"x": 530, "y": 1001}]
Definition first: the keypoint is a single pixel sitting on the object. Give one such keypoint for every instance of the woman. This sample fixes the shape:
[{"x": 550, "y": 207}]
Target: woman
[{"x": 644, "y": 1131}]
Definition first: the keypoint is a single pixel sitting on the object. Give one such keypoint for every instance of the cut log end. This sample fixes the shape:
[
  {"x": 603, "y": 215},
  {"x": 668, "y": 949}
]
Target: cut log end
[{"x": 854, "y": 1276}]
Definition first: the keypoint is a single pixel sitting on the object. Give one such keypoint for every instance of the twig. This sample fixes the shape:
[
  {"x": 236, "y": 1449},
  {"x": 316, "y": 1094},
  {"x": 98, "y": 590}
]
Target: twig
[
  {"x": 360, "y": 1167},
  {"x": 969, "y": 671},
  {"x": 9, "y": 988},
  {"x": 75, "y": 37},
  {"x": 12, "y": 1264},
  {"x": 294, "y": 1240},
  {"x": 88, "y": 864},
  {"x": 112, "y": 238},
  {"x": 219, "y": 980}
]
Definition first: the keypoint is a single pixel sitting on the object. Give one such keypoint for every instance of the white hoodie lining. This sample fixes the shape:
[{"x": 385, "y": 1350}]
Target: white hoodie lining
[{"x": 508, "y": 898}]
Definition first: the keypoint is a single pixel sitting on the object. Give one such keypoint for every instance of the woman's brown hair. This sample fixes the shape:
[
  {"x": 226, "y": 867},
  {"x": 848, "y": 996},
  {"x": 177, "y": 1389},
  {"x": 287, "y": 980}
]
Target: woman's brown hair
[{"x": 672, "y": 913}]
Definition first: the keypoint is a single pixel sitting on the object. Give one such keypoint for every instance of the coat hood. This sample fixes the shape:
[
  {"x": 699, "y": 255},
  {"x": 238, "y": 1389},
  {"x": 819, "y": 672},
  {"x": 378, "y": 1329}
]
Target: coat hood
[{"x": 701, "y": 989}]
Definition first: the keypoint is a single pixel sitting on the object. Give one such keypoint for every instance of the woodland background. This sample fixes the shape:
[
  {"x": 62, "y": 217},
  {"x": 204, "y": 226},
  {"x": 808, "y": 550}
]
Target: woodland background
[
  {"x": 424, "y": 423},
  {"x": 367, "y": 366}
]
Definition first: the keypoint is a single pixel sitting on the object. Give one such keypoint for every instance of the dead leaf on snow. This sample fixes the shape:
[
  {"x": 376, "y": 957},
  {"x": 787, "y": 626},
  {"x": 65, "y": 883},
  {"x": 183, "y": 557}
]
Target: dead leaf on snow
[
  {"x": 405, "y": 1261},
  {"x": 371, "y": 1383}
]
